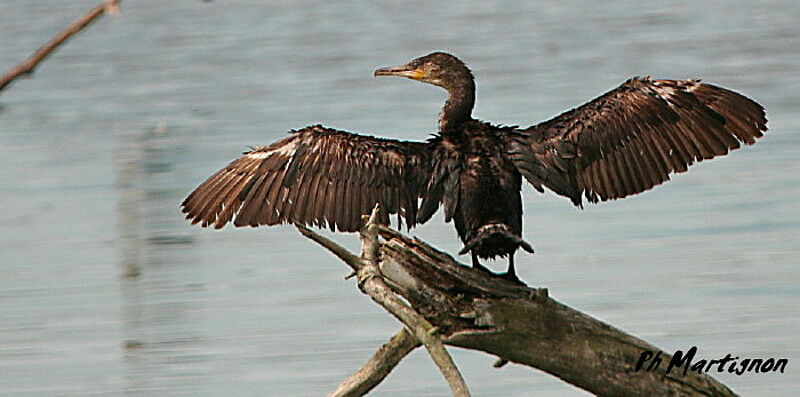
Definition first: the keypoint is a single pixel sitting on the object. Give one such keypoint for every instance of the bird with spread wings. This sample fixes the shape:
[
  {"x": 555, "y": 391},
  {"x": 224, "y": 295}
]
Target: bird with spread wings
[{"x": 624, "y": 142}]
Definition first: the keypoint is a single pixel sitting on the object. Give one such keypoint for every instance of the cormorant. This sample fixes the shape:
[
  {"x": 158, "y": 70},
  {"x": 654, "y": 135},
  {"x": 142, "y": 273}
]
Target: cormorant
[{"x": 623, "y": 142}]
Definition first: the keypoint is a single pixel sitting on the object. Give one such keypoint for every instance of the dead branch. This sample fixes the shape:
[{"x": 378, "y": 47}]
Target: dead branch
[
  {"x": 378, "y": 367},
  {"x": 371, "y": 282},
  {"x": 27, "y": 67},
  {"x": 473, "y": 310}
]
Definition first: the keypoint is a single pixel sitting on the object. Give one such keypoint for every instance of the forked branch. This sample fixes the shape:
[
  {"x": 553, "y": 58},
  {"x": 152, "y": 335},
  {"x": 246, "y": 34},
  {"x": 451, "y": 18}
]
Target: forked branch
[
  {"x": 371, "y": 282},
  {"x": 473, "y": 310}
]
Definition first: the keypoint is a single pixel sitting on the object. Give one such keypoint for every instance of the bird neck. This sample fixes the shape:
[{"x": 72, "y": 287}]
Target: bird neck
[{"x": 458, "y": 107}]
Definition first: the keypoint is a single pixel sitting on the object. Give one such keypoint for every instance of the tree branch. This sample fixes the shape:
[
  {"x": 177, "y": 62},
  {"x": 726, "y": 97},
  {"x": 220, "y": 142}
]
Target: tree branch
[
  {"x": 27, "y": 67},
  {"x": 371, "y": 282},
  {"x": 473, "y": 310},
  {"x": 378, "y": 367},
  {"x": 384, "y": 295}
]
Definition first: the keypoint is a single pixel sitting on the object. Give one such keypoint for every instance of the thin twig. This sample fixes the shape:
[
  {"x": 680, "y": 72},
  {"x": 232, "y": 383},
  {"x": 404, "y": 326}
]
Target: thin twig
[
  {"x": 378, "y": 367},
  {"x": 27, "y": 67},
  {"x": 342, "y": 253}
]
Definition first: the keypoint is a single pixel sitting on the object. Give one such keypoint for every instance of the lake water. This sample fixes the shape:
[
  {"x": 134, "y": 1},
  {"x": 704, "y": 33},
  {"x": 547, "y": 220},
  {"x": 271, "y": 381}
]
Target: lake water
[{"x": 99, "y": 148}]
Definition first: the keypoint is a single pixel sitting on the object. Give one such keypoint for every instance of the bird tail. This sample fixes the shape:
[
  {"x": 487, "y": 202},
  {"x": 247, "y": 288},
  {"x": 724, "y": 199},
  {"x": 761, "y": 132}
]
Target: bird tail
[{"x": 494, "y": 230}]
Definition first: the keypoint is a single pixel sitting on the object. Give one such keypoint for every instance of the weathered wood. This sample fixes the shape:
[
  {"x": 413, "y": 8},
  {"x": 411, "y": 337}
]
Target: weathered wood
[
  {"x": 525, "y": 326},
  {"x": 378, "y": 367},
  {"x": 27, "y": 67},
  {"x": 371, "y": 282},
  {"x": 473, "y": 310}
]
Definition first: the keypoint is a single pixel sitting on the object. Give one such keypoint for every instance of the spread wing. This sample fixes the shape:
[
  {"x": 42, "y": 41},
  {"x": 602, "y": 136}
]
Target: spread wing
[
  {"x": 316, "y": 176},
  {"x": 633, "y": 137}
]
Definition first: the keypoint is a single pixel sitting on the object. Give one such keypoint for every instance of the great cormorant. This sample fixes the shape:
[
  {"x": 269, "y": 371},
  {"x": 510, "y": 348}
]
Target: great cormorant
[{"x": 624, "y": 142}]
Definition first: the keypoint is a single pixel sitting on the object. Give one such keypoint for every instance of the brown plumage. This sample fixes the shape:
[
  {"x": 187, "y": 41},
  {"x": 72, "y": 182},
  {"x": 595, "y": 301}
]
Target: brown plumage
[
  {"x": 316, "y": 176},
  {"x": 621, "y": 143},
  {"x": 634, "y": 136}
]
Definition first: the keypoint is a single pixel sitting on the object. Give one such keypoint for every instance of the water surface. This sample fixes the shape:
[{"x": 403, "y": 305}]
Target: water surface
[{"x": 100, "y": 147}]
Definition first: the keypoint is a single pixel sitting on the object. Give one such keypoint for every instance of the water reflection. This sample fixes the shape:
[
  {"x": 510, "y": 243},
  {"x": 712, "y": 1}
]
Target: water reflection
[{"x": 161, "y": 341}]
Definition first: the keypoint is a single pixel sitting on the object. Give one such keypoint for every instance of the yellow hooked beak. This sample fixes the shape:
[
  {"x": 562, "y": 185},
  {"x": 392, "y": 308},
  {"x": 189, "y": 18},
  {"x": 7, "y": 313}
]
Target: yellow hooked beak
[{"x": 402, "y": 71}]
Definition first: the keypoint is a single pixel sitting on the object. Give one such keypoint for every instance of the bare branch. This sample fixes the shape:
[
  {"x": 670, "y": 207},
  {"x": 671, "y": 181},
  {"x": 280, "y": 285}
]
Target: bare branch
[
  {"x": 27, "y": 67},
  {"x": 473, "y": 310},
  {"x": 526, "y": 326},
  {"x": 378, "y": 367},
  {"x": 341, "y": 252},
  {"x": 372, "y": 283}
]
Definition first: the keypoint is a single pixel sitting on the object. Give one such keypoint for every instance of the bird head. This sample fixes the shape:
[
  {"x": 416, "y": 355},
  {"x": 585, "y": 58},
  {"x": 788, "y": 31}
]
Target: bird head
[{"x": 439, "y": 68}]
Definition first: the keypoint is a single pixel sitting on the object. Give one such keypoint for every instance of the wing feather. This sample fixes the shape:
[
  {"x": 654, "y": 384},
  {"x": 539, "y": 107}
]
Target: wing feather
[
  {"x": 330, "y": 204},
  {"x": 257, "y": 205},
  {"x": 338, "y": 206},
  {"x": 314, "y": 188},
  {"x": 355, "y": 203},
  {"x": 316, "y": 176},
  {"x": 633, "y": 137}
]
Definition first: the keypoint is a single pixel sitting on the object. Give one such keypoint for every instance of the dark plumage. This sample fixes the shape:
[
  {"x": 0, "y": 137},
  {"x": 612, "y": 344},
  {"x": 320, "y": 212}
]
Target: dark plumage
[{"x": 621, "y": 143}]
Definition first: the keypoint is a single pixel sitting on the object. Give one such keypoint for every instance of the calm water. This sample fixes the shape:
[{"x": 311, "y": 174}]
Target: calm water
[{"x": 98, "y": 150}]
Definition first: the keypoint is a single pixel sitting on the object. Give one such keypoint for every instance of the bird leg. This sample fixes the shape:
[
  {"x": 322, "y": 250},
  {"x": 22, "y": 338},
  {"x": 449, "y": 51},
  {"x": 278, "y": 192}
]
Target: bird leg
[
  {"x": 476, "y": 264},
  {"x": 511, "y": 273}
]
